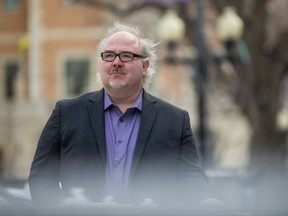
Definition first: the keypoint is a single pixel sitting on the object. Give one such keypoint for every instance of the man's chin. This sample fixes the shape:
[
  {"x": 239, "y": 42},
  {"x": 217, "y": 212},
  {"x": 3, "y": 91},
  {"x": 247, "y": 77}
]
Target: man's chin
[{"x": 117, "y": 85}]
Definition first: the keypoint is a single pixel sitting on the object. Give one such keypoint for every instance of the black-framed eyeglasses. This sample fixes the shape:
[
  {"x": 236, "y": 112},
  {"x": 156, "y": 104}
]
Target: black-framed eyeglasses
[{"x": 123, "y": 56}]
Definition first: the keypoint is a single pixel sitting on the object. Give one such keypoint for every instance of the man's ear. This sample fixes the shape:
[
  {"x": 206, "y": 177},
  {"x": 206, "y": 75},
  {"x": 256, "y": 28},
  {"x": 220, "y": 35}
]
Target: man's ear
[{"x": 145, "y": 64}]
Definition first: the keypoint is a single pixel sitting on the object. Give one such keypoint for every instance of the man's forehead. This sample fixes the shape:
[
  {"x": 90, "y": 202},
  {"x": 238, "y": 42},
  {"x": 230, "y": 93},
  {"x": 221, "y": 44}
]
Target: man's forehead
[{"x": 123, "y": 38}]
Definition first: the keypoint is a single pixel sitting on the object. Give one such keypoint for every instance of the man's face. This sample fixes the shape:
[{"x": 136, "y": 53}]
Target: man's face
[{"x": 118, "y": 75}]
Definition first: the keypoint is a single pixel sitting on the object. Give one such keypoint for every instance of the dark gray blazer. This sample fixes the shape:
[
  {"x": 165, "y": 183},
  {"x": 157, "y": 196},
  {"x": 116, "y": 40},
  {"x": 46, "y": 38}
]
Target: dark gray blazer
[{"x": 72, "y": 150}]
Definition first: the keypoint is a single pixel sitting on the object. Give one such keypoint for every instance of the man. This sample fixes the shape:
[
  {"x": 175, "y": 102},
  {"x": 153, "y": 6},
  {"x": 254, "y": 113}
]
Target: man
[{"x": 120, "y": 140}]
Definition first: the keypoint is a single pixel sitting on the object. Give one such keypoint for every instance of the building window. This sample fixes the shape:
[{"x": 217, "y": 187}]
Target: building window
[
  {"x": 11, "y": 5},
  {"x": 77, "y": 77},
  {"x": 71, "y": 2},
  {"x": 11, "y": 71}
]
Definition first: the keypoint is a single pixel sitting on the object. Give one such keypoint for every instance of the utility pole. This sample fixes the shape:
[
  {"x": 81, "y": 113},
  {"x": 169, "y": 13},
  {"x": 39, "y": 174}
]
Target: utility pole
[{"x": 201, "y": 79}]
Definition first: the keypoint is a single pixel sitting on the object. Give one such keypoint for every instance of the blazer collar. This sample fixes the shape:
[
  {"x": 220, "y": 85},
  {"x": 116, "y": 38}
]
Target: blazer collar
[{"x": 97, "y": 96}]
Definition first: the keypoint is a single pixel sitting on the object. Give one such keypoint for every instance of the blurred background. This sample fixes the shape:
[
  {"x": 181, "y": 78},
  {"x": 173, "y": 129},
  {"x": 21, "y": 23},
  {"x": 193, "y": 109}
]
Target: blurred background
[{"x": 224, "y": 61}]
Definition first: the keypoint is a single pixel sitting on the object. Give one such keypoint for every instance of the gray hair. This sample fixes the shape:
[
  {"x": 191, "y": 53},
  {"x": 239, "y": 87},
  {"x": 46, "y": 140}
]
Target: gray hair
[{"x": 147, "y": 45}]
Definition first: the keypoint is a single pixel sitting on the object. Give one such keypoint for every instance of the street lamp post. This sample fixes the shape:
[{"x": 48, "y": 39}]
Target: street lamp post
[
  {"x": 229, "y": 28},
  {"x": 202, "y": 77}
]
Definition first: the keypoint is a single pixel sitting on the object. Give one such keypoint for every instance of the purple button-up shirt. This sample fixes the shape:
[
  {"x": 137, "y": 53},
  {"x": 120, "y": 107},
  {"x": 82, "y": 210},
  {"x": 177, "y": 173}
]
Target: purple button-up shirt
[{"x": 121, "y": 134}]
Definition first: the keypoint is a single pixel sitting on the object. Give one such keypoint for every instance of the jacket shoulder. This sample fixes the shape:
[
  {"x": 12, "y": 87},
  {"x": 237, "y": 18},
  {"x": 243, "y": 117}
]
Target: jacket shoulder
[
  {"x": 87, "y": 97},
  {"x": 80, "y": 101}
]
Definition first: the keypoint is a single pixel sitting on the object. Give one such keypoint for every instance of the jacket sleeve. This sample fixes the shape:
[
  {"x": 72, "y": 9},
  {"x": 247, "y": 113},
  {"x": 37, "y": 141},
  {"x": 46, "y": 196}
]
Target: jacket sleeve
[
  {"x": 45, "y": 170},
  {"x": 192, "y": 177}
]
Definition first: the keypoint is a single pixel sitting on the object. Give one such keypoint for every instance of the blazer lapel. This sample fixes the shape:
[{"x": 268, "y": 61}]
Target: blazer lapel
[
  {"x": 96, "y": 114},
  {"x": 149, "y": 111}
]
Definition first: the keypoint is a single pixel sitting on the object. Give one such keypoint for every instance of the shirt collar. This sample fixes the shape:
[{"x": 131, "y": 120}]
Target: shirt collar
[{"x": 137, "y": 103}]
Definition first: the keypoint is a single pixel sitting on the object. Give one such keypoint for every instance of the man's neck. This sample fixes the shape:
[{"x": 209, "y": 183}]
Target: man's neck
[{"x": 123, "y": 101}]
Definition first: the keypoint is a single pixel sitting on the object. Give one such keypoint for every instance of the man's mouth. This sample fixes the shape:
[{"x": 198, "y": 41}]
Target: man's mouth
[{"x": 117, "y": 72}]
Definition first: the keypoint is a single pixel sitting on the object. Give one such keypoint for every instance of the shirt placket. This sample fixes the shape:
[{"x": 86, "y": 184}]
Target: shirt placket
[{"x": 120, "y": 153}]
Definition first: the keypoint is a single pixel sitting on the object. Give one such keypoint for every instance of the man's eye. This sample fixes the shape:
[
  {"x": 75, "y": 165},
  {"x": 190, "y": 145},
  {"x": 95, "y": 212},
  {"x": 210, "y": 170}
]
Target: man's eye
[
  {"x": 109, "y": 55},
  {"x": 126, "y": 56}
]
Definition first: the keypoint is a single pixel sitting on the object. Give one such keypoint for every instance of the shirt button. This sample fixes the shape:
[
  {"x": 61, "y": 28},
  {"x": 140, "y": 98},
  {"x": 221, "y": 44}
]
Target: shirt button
[
  {"x": 120, "y": 141},
  {"x": 117, "y": 163},
  {"x": 121, "y": 120}
]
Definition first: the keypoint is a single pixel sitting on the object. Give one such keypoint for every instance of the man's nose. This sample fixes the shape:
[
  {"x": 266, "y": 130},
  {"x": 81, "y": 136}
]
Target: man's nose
[{"x": 117, "y": 62}]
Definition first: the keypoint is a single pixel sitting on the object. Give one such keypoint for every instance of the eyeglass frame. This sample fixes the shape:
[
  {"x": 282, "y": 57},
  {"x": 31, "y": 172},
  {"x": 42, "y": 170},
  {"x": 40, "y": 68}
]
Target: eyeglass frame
[{"x": 134, "y": 55}]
